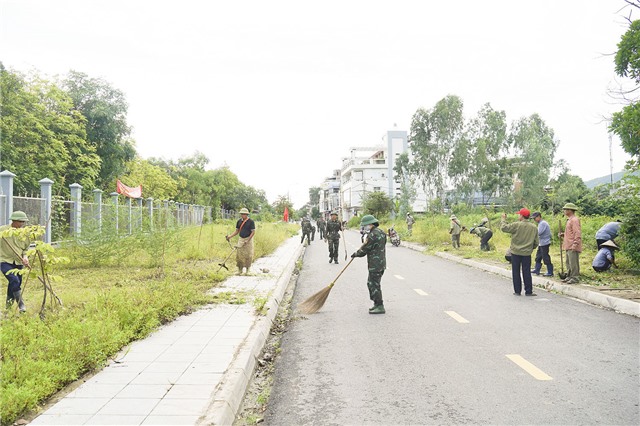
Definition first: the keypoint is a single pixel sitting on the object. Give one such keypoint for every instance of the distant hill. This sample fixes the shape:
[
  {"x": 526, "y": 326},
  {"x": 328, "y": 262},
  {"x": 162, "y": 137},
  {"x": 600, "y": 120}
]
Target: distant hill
[{"x": 603, "y": 180}]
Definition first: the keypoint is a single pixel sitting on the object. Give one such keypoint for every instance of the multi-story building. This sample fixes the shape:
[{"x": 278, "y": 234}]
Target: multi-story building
[{"x": 330, "y": 195}]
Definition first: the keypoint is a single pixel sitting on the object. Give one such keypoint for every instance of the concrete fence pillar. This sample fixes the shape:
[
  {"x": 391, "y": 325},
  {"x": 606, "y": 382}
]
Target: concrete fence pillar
[
  {"x": 180, "y": 214},
  {"x": 116, "y": 212},
  {"x": 140, "y": 214},
  {"x": 129, "y": 227},
  {"x": 166, "y": 212},
  {"x": 45, "y": 193},
  {"x": 76, "y": 209},
  {"x": 97, "y": 203},
  {"x": 6, "y": 189}
]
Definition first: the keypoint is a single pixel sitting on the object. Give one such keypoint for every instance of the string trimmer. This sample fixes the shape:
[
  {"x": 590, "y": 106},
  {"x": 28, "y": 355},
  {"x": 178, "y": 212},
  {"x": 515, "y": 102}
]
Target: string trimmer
[{"x": 223, "y": 264}]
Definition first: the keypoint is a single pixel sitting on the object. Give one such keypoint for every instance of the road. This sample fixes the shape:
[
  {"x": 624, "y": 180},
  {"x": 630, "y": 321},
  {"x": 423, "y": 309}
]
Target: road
[{"x": 455, "y": 347}]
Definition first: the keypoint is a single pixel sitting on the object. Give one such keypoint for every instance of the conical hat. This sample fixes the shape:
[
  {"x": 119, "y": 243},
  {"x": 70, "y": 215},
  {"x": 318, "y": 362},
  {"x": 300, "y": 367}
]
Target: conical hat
[{"x": 609, "y": 244}]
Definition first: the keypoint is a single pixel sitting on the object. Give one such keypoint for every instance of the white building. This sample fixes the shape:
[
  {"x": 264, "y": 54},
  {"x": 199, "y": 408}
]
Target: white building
[{"x": 330, "y": 195}]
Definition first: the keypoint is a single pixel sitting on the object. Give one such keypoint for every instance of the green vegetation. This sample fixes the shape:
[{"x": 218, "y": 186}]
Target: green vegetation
[
  {"x": 111, "y": 299},
  {"x": 433, "y": 231}
]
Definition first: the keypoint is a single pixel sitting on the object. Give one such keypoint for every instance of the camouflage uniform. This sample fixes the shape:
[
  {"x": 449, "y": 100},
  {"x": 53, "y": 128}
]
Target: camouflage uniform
[
  {"x": 306, "y": 230},
  {"x": 485, "y": 235},
  {"x": 374, "y": 249},
  {"x": 321, "y": 224},
  {"x": 332, "y": 235},
  {"x": 410, "y": 222},
  {"x": 455, "y": 229}
]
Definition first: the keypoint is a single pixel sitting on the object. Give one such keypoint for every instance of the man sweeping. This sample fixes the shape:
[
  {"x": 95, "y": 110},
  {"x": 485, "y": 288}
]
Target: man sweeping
[
  {"x": 246, "y": 229},
  {"x": 374, "y": 249}
]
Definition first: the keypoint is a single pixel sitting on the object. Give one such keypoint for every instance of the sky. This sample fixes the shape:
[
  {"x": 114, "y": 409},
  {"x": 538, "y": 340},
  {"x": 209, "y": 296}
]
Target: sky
[{"x": 279, "y": 91}]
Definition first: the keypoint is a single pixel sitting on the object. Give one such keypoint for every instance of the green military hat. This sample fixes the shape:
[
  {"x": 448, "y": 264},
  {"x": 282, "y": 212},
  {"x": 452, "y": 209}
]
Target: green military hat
[
  {"x": 570, "y": 206},
  {"x": 19, "y": 216},
  {"x": 368, "y": 219},
  {"x": 244, "y": 211}
]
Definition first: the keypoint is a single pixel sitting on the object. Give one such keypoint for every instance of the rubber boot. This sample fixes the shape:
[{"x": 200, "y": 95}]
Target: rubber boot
[
  {"x": 17, "y": 295},
  {"x": 549, "y": 271},
  {"x": 377, "y": 309},
  {"x": 9, "y": 302}
]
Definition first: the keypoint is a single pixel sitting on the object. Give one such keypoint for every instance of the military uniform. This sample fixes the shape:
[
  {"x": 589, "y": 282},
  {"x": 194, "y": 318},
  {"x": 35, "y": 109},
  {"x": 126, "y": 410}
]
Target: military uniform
[
  {"x": 455, "y": 229},
  {"x": 321, "y": 224},
  {"x": 306, "y": 230},
  {"x": 410, "y": 222},
  {"x": 485, "y": 235},
  {"x": 332, "y": 235},
  {"x": 374, "y": 249}
]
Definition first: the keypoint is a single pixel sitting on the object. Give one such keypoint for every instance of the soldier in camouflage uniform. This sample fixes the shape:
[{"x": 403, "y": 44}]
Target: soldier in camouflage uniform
[
  {"x": 374, "y": 249},
  {"x": 484, "y": 233},
  {"x": 321, "y": 224},
  {"x": 306, "y": 230},
  {"x": 332, "y": 235}
]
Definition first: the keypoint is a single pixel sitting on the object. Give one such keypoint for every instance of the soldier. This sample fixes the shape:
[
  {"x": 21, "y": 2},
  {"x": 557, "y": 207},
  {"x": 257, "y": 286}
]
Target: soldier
[
  {"x": 13, "y": 255},
  {"x": 455, "y": 229},
  {"x": 485, "y": 235},
  {"x": 410, "y": 222},
  {"x": 332, "y": 235},
  {"x": 374, "y": 249},
  {"x": 321, "y": 224},
  {"x": 306, "y": 230}
]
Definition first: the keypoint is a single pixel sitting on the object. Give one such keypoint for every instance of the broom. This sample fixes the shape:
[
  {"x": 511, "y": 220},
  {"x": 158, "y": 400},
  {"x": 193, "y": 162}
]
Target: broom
[{"x": 315, "y": 302}]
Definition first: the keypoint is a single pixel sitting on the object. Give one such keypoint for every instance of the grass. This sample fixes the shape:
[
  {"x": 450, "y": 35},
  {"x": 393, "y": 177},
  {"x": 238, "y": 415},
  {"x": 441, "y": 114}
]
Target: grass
[
  {"x": 110, "y": 300},
  {"x": 433, "y": 231}
]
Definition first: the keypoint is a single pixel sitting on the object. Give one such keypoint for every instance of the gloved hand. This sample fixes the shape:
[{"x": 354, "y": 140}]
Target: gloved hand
[{"x": 353, "y": 255}]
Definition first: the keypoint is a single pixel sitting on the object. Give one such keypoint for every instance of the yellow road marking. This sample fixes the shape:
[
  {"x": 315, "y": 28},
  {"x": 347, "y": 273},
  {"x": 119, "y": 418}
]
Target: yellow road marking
[
  {"x": 529, "y": 368},
  {"x": 457, "y": 317},
  {"x": 400, "y": 277},
  {"x": 420, "y": 292}
]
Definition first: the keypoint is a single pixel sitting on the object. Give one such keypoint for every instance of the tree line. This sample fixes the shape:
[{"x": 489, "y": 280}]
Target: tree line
[{"x": 75, "y": 129}]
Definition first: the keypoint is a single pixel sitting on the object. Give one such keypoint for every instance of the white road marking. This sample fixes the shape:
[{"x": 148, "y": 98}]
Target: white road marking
[
  {"x": 400, "y": 277},
  {"x": 457, "y": 317},
  {"x": 528, "y": 367},
  {"x": 420, "y": 292}
]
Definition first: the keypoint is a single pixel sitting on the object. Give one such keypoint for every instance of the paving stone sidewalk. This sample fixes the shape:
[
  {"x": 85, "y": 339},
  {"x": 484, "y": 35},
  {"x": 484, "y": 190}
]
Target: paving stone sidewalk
[{"x": 192, "y": 371}]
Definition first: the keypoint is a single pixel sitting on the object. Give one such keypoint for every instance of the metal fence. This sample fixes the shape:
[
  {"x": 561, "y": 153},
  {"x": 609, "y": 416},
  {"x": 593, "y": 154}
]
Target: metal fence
[{"x": 71, "y": 218}]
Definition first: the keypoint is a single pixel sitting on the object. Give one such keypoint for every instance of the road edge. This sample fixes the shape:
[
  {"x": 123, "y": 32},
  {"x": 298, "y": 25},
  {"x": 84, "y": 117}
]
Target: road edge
[{"x": 619, "y": 305}]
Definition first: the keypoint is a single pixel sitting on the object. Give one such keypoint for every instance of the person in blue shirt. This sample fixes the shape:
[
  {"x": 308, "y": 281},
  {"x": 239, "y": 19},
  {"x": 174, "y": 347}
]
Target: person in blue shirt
[
  {"x": 609, "y": 231},
  {"x": 605, "y": 257},
  {"x": 542, "y": 255}
]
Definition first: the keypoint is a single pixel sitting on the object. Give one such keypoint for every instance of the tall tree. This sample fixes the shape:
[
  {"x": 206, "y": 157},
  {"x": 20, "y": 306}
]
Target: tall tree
[
  {"x": 403, "y": 172},
  {"x": 105, "y": 109},
  {"x": 314, "y": 195},
  {"x": 378, "y": 204},
  {"x": 155, "y": 181}
]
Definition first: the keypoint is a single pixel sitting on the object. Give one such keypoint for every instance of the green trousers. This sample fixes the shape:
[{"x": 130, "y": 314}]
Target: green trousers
[
  {"x": 373, "y": 283},
  {"x": 573, "y": 263}
]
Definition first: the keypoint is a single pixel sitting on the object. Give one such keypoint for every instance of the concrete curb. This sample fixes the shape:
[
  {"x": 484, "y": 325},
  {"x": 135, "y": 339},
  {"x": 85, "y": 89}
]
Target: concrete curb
[
  {"x": 228, "y": 397},
  {"x": 623, "y": 306}
]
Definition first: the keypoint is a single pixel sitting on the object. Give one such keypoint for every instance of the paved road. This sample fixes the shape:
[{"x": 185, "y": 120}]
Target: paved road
[{"x": 454, "y": 347}]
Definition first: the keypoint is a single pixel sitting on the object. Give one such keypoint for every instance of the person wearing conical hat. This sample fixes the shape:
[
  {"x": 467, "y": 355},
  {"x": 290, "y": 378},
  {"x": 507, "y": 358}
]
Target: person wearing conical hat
[
  {"x": 605, "y": 257},
  {"x": 609, "y": 231},
  {"x": 374, "y": 248},
  {"x": 245, "y": 229},
  {"x": 572, "y": 243},
  {"x": 455, "y": 229},
  {"x": 13, "y": 255}
]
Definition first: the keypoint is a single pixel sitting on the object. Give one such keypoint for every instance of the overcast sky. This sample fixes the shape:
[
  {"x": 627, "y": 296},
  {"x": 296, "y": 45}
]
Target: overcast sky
[{"x": 279, "y": 90}]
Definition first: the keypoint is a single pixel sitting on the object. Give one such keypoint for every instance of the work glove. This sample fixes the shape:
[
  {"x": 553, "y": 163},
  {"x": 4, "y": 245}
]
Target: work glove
[{"x": 353, "y": 255}]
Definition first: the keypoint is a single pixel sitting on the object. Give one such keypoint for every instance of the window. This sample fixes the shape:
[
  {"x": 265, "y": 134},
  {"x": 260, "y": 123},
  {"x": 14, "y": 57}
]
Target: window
[{"x": 376, "y": 189}]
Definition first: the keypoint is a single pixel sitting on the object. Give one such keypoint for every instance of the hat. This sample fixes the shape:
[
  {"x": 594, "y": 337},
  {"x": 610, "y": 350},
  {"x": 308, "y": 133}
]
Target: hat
[
  {"x": 408, "y": 214},
  {"x": 453, "y": 216},
  {"x": 19, "y": 216},
  {"x": 368, "y": 219},
  {"x": 334, "y": 213},
  {"x": 570, "y": 206},
  {"x": 472, "y": 229},
  {"x": 609, "y": 243},
  {"x": 535, "y": 214},
  {"x": 524, "y": 212},
  {"x": 244, "y": 211}
]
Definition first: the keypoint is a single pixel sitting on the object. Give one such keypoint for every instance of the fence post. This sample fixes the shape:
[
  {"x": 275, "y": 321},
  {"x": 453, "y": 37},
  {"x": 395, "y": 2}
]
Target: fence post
[
  {"x": 166, "y": 212},
  {"x": 180, "y": 214},
  {"x": 45, "y": 192},
  {"x": 76, "y": 210},
  {"x": 114, "y": 200},
  {"x": 130, "y": 216},
  {"x": 97, "y": 202},
  {"x": 140, "y": 217},
  {"x": 150, "y": 207},
  {"x": 6, "y": 188}
]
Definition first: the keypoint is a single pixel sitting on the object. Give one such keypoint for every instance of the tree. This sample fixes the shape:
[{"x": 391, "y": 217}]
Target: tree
[
  {"x": 279, "y": 205},
  {"x": 402, "y": 169},
  {"x": 105, "y": 109},
  {"x": 314, "y": 195},
  {"x": 155, "y": 181},
  {"x": 378, "y": 204}
]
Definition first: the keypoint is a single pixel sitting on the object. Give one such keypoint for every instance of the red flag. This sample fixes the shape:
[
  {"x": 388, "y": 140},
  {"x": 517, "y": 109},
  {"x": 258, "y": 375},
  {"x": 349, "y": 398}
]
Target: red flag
[
  {"x": 123, "y": 189},
  {"x": 286, "y": 214}
]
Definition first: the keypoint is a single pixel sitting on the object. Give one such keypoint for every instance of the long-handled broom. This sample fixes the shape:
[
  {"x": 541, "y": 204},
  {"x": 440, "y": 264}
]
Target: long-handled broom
[{"x": 315, "y": 302}]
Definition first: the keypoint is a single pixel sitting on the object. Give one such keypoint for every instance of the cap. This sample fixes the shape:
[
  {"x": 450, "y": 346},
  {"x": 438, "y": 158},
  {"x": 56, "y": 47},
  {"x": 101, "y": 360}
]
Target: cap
[
  {"x": 244, "y": 211},
  {"x": 19, "y": 216},
  {"x": 524, "y": 212},
  {"x": 535, "y": 214},
  {"x": 570, "y": 206}
]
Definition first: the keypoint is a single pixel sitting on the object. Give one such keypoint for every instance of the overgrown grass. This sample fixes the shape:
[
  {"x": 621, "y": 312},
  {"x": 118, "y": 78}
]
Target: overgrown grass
[
  {"x": 433, "y": 231},
  {"x": 110, "y": 300}
]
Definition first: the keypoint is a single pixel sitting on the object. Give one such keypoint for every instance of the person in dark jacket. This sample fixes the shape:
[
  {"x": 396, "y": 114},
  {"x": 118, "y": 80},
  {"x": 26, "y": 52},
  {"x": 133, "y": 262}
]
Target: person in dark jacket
[{"x": 374, "y": 249}]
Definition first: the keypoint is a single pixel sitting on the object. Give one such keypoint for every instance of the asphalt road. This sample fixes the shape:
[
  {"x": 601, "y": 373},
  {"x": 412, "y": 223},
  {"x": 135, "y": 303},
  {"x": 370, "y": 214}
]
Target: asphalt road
[{"x": 455, "y": 347}]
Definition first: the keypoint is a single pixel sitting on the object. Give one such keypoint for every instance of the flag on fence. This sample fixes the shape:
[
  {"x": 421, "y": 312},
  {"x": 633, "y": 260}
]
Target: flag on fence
[
  {"x": 286, "y": 214},
  {"x": 127, "y": 191}
]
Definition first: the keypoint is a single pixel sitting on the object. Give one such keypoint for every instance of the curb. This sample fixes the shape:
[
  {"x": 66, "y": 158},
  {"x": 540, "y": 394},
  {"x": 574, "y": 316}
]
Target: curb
[
  {"x": 228, "y": 397},
  {"x": 623, "y": 306}
]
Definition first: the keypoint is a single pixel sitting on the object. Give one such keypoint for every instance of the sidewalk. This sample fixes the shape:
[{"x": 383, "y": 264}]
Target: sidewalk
[
  {"x": 582, "y": 292},
  {"x": 194, "y": 370}
]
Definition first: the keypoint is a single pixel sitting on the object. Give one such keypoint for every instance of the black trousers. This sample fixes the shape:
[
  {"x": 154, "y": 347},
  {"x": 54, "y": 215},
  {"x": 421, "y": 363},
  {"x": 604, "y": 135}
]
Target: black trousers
[
  {"x": 484, "y": 241},
  {"x": 521, "y": 264},
  {"x": 542, "y": 255}
]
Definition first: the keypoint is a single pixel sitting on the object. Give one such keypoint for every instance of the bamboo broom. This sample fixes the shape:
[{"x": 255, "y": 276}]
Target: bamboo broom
[{"x": 315, "y": 302}]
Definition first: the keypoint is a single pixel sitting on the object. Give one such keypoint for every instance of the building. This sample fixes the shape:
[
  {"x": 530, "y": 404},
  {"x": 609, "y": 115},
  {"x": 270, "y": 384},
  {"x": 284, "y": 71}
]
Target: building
[{"x": 330, "y": 195}]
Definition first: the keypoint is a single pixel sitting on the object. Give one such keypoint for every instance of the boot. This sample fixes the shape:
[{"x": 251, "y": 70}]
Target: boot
[
  {"x": 17, "y": 296},
  {"x": 9, "y": 302},
  {"x": 377, "y": 309},
  {"x": 549, "y": 271}
]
